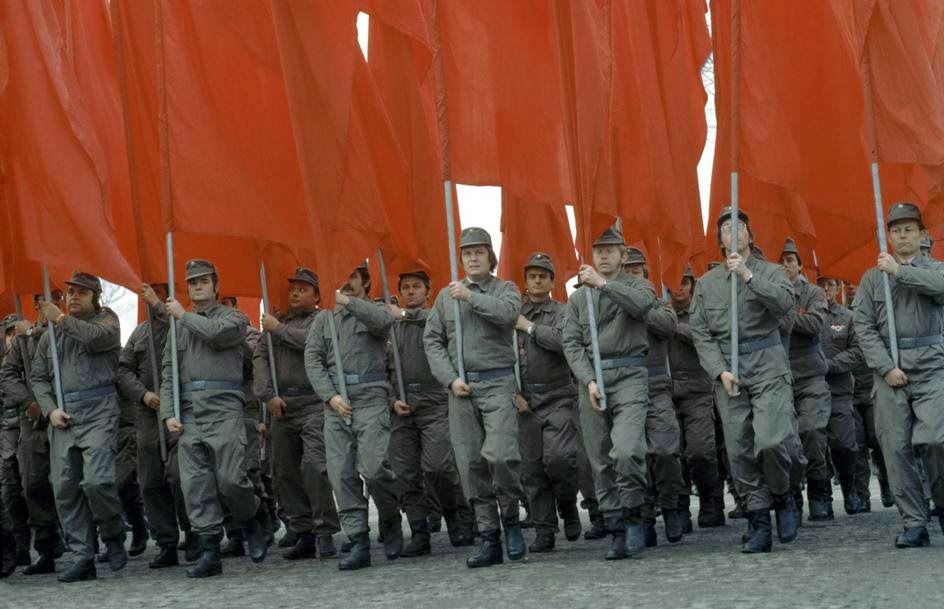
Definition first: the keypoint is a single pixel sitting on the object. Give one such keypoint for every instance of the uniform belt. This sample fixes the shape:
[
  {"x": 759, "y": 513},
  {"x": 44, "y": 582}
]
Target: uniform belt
[
  {"x": 658, "y": 371},
  {"x": 360, "y": 379},
  {"x": 423, "y": 387},
  {"x": 549, "y": 386},
  {"x": 296, "y": 392},
  {"x": 688, "y": 375},
  {"x": 754, "y": 345},
  {"x": 623, "y": 362},
  {"x": 488, "y": 375},
  {"x": 917, "y": 342},
  {"x": 88, "y": 394},
  {"x": 211, "y": 385}
]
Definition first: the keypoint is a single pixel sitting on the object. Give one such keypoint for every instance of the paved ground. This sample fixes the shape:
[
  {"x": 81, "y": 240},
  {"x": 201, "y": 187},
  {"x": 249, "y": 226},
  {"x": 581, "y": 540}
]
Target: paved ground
[{"x": 846, "y": 563}]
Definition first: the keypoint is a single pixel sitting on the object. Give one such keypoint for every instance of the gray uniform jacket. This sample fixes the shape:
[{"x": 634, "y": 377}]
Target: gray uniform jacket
[
  {"x": 288, "y": 347},
  {"x": 842, "y": 350},
  {"x": 135, "y": 375},
  {"x": 807, "y": 357}
]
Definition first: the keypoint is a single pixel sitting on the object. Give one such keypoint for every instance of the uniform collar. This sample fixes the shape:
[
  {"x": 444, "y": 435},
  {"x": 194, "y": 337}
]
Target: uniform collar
[{"x": 536, "y": 307}]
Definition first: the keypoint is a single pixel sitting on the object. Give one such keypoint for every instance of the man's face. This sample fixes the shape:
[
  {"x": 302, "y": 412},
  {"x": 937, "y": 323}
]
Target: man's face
[
  {"x": 636, "y": 270},
  {"x": 354, "y": 287},
  {"x": 79, "y": 301},
  {"x": 791, "y": 264},
  {"x": 413, "y": 292},
  {"x": 201, "y": 289},
  {"x": 302, "y": 296},
  {"x": 538, "y": 282},
  {"x": 475, "y": 260},
  {"x": 683, "y": 295},
  {"x": 831, "y": 287},
  {"x": 743, "y": 234},
  {"x": 905, "y": 237},
  {"x": 607, "y": 258}
]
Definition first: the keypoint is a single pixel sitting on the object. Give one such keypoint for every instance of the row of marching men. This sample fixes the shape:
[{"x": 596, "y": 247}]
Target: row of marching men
[{"x": 617, "y": 395}]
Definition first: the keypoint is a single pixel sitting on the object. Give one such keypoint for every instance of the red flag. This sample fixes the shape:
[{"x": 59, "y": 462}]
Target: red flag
[
  {"x": 529, "y": 227},
  {"x": 62, "y": 194}
]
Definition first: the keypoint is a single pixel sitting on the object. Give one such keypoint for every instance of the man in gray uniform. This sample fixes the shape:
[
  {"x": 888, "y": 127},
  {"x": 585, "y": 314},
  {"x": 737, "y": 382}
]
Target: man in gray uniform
[
  {"x": 14, "y": 523},
  {"x": 160, "y": 480},
  {"x": 844, "y": 355},
  {"x": 483, "y": 420},
  {"x": 756, "y": 406},
  {"x": 299, "y": 468},
  {"x": 908, "y": 393},
  {"x": 33, "y": 448},
  {"x": 694, "y": 404},
  {"x": 662, "y": 428},
  {"x": 211, "y": 448},
  {"x": 614, "y": 437},
  {"x": 420, "y": 451},
  {"x": 356, "y": 428},
  {"x": 811, "y": 397},
  {"x": 83, "y": 438},
  {"x": 548, "y": 430}
]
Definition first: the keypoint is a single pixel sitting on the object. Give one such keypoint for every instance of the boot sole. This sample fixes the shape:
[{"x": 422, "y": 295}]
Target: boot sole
[
  {"x": 353, "y": 567},
  {"x": 761, "y": 551},
  {"x": 87, "y": 578},
  {"x": 212, "y": 573},
  {"x": 163, "y": 566},
  {"x": 924, "y": 543},
  {"x": 306, "y": 556}
]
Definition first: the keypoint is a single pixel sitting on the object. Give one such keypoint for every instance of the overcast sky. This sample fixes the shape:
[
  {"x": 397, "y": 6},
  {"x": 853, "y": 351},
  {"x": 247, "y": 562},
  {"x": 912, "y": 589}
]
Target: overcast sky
[{"x": 478, "y": 205}]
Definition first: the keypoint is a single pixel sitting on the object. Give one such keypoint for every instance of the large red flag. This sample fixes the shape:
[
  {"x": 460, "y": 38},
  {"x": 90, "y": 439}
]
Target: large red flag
[
  {"x": 532, "y": 227},
  {"x": 60, "y": 191}
]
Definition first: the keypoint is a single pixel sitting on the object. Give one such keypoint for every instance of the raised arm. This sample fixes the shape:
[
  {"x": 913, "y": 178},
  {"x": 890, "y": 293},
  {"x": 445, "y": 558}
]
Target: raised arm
[
  {"x": 572, "y": 341},
  {"x": 635, "y": 296},
  {"x": 376, "y": 317},
  {"x": 99, "y": 334},
  {"x": 224, "y": 332},
  {"x": 500, "y": 309}
]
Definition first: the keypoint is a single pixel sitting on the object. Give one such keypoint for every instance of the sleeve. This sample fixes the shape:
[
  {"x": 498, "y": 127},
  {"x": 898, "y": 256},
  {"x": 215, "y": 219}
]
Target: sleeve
[
  {"x": 812, "y": 321},
  {"x": 867, "y": 328},
  {"x": 500, "y": 309},
  {"x": 634, "y": 296},
  {"x": 376, "y": 317},
  {"x": 101, "y": 333},
  {"x": 290, "y": 336},
  {"x": 662, "y": 321},
  {"x": 708, "y": 349},
  {"x": 13, "y": 383},
  {"x": 40, "y": 377},
  {"x": 850, "y": 358},
  {"x": 316, "y": 359},
  {"x": 775, "y": 292},
  {"x": 436, "y": 344},
  {"x": 572, "y": 341},
  {"x": 261, "y": 372},
  {"x": 224, "y": 332},
  {"x": 683, "y": 331},
  {"x": 167, "y": 389},
  {"x": 929, "y": 282},
  {"x": 129, "y": 385},
  {"x": 548, "y": 336}
]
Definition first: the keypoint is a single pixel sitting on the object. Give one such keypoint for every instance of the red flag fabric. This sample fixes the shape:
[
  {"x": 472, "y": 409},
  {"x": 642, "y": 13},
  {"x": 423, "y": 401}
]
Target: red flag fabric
[
  {"x": 63, "y": 198},
  {"x": 529, "y": 227},
  {"x": 355, "y": 175}
]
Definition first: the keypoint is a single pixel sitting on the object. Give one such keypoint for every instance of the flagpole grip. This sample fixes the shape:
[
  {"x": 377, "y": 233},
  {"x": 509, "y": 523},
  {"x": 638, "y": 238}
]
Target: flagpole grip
[
  {"x": 53, "y": 344},
  {"x": 174, "y": 363},
  {"x": 595, "y": 347},
  {"x": 454, "y": 274},
  {"x": 397, "y": 365}
]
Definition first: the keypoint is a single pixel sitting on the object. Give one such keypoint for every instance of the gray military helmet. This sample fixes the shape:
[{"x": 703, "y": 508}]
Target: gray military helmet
[{"x": 198, "y": 268}]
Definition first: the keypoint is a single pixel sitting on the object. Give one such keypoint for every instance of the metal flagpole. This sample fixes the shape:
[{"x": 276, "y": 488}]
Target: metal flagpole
[
  {"x": 271, "y": 352},
  {"x": 735, "y": 128},
  {"x": 517, "y": 362},
  {"x": 879, "y": 220},
  {"x": 595, "y": 346},
  {"x": 155, "y": 374},
  {"x": 454, "y": 274},
  {"x": 174, "y": 364},
  {"x": 53, "y": 345},
  {"x": 397, "y": 366},
  {"x": 338, "y": 366}
]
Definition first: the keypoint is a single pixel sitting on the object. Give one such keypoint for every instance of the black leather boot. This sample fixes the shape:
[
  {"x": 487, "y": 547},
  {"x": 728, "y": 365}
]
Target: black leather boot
[
  {"x": 515, "y": 546},
  {"x": 571, "y": 517},
  {"x": 850, "y": 499},
  {"x": 597, "y": 528},
  {"x": 257, "y": 535},
  {"x": 673, "y": 524},
  {"x": 915, "y": 537},
  {"x": 888, "y": 500},
  {"x": 544, "y": 541},
  {"x": 139, "y": 532},
  {"x": 191, "y": 546},
  {"x": 636, "y": 537},
  {"x": 435, "y": 522},
  {"x": 761, "y": 538},
  {"x": 117, "y": 556},
  {"x": 7, "y": 554},
  {"x": 489, "y": 552},
  {"x": 419, "y": 539},
  {"x": 166, "y": 557},
  {"x": 392, "y": 534},
  {"x": 788, "y": 519},
  {"x": 617, "y": 530},
  {"x": 289, "y": 539},
  {"x": 326, "y": 547},
  {"x": 820, "y": 502},
  {"x": 649, "y": 530},
  {"x": 210, "y": 562},
  {"x": 710, "y": 511},
  {"x": 82, "y": 569},
  {"x": 46, "y": 564},
  {"x": 305, "y": 547},
  {"x": 359, "y": 557}
]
